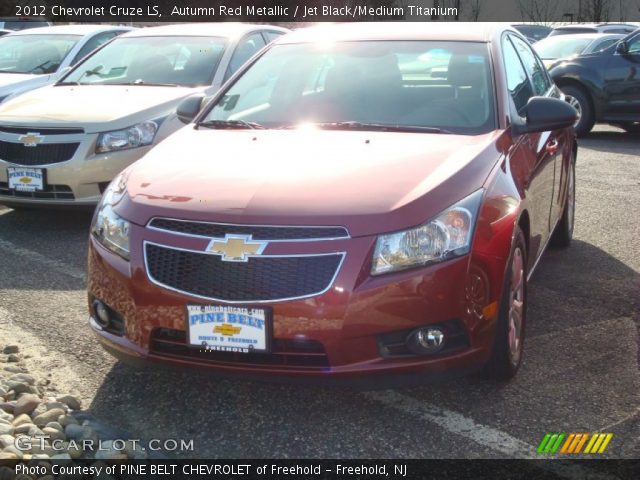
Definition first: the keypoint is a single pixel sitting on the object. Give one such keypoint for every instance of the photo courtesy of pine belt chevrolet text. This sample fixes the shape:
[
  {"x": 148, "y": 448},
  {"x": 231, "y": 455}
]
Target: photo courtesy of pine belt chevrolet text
[{"x": 356, "y": 201}]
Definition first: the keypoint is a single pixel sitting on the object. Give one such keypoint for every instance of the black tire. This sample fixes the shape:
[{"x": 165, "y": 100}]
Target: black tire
[
  {"x": 579, "y": 98},
  {"x": 502, "y": 365},
  {"x": 563, "y": 233},
  {"x": 630, "y": 127}
]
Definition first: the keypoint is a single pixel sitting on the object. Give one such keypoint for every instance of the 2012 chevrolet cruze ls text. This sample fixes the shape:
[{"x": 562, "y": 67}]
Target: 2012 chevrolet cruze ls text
[{"x": 359, "y": 199}]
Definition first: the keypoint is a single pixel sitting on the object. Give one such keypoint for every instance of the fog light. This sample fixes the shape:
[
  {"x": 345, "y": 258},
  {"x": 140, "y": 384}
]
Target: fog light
[
  {"x": 426, "y": 340},
  {"x": 103, "y": 318}
]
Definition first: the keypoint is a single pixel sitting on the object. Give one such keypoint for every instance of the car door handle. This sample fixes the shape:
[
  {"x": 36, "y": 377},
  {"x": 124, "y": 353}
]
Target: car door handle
[{"x": 552, "y": 146}]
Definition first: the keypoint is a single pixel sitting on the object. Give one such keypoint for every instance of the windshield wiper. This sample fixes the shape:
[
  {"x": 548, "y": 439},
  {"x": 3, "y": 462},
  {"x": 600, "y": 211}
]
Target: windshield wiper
[
  {"x": 231, "y": 124},
  {"x": 146, "y": 84},
  {"x": 352, "y": 125}
]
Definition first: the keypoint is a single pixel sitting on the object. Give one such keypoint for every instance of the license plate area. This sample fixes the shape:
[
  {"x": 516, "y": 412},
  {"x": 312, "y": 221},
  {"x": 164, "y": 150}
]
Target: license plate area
[
  {"x": 23, "y": 179},
  {"x": 229, "y": 328}
]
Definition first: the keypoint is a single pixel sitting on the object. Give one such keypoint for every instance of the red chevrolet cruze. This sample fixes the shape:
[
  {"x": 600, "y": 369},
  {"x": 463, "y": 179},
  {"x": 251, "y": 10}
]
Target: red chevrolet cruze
[{"x": 358, "y": 199}]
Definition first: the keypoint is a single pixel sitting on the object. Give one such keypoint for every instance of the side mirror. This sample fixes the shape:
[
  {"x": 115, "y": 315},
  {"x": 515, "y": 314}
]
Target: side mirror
[
  {"x": 543, "y": 114},
  {"x": 189, "y": 108},
  {"x": 622, "y": 47}
]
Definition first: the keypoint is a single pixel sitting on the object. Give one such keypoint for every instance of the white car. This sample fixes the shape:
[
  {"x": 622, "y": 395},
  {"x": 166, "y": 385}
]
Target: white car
[
  {"x": 37, "y": 57},
  {"x": 61, "y": 145}
]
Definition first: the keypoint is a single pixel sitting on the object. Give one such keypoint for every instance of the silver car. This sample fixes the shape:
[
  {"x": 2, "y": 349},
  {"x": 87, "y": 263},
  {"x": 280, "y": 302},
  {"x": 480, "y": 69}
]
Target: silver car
[
  {"x": 39, "y": 56},
  {"x": 62, "y": 144}
]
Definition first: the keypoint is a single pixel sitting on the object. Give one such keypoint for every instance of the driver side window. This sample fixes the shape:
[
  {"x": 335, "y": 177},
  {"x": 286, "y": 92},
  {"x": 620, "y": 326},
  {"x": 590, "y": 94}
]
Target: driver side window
[{"x": 634, "y": 46}]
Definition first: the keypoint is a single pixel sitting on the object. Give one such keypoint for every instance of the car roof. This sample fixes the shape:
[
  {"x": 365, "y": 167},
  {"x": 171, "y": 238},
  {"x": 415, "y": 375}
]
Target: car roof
[
  {"x": 593, "y": 25},
  {"x": 457, "y": 31},
  {"x": 586, "y": 36},
  {"x": 227, "y": 30},
  {"x": 82, "y": 29}
]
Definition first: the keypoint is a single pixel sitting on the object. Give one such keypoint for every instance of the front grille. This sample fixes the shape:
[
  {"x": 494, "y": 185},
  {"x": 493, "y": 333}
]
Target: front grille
[
  {"x": 41, "y": 131},
  {"x": 284, "y": 353},
  {"x": 50, "y": 192},
  {"x": 219, "y": 230},
  {"x": 262, "y": 278},
  {"x": 42, "y": 154}
]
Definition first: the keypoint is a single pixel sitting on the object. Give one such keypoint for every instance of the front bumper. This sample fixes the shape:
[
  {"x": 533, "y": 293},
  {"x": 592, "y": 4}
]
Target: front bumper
[
  {"x": 346, "y": 324},
  {"x": 78, "y": 181}
]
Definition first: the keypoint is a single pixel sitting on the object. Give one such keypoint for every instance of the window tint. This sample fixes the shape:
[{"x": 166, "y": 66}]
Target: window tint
[
  {"x": 246, "y": 49},
  {"x": 92, "y": 44},
  {"x": 634, "y": 45},
  {"x": 535, "y": 69},
  {"x": 517, "y": 81}
]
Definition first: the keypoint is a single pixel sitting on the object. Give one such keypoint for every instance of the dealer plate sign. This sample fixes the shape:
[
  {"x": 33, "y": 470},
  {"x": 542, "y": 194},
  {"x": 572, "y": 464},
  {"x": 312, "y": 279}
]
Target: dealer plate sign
[
  {"x": 228, "y": 329},
  {"x": 25, "y": 179}
]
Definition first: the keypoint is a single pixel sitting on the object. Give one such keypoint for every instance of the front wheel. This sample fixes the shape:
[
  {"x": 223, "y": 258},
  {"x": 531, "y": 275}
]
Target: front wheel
[
  {"x": 506, "y": 355},
  {"x": 564, "y": 230},
  {"x": 579, "y": 99}
]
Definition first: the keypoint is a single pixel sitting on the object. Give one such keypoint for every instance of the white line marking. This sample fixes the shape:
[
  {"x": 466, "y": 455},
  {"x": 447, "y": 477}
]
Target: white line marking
[
  {"x": 489, "y": 437},
  {"x": 56, "y": 265}
]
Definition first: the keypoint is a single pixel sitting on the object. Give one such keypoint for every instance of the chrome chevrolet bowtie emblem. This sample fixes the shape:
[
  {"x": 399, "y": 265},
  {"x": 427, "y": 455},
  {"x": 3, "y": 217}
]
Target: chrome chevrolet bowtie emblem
[
  {"x": 31, "y": 139},
  {"x": 236, "y": 248}
]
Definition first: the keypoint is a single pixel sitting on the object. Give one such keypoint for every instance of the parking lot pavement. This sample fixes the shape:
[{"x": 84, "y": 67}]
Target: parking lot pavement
[{"x": 580, "y": 373}]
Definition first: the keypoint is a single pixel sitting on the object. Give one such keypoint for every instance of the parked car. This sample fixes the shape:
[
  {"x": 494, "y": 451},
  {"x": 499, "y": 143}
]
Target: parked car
[
  {"x": 305, "y": 226},
  {"x": 571, "y": 29},
  {"x": 604, "y": 86},
  {"x": 554, "y": 50},
  {"x": 37, "y": 57},
  {"x": 62, "y": 145},
  {"x": 22, "y": 23},
  {"x": 532, "y": 32}
]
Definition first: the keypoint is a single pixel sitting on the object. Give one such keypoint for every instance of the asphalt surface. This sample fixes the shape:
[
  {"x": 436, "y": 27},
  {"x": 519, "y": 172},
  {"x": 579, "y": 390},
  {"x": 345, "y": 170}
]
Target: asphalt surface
[{"x": 580, "y": 372}]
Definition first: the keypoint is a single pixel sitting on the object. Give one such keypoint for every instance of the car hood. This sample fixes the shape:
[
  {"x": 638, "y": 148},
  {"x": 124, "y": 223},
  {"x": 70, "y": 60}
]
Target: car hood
[
  {"x": 92, "y": 107},
  {"x": 15, "y": 78},
  {"x": 368, "y": 181}
]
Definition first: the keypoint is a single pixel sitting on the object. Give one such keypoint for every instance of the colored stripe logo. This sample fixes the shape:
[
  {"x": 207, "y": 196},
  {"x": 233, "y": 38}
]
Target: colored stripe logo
[{"x": 573, "y": 443}]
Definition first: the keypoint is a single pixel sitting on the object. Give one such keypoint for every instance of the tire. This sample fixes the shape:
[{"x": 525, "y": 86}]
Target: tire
[
  {"x": 563, "y": 233},
  {"x": 579, "y": 99},
  {"x": 630, "y": 127},
  {"x": 506, "y": 355}
]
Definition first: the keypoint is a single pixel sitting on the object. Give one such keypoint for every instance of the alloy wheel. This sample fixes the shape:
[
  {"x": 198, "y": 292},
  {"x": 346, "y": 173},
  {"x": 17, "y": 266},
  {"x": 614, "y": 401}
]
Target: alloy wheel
[
  {"x": 516, "y": 307},
  {"x": 573, "y": 101}
]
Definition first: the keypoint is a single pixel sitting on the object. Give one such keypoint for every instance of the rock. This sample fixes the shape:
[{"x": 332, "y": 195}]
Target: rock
[
  {"x": 13, "y": 369},
  {"x": 81, "y": 433},
  {"x": 40, "y": 409},
  {"x": 71, "y": 401},
  {"x": 48, "y": 416},
  {"x": 8, "y": 456},
  {"x": 74, "y": 451},
  {"x": 7, "y": 406},
  {"x": 13, "y": 449},
  {"x": 23, "y": 378},
  {"x": 13, "y": 358},
  {"x": 40, "y": 456},
  {"x": 3, "y": 391},
  {"x": 54, "y": 434},
  {"x": 10, "y": 349},
  {"x": 6, "y": 441},
  {"x": 6, "y": 429},
  {"x": 26, "y": 403},
  {"x": 55, "y": 425},
  {"x": 65, "y": 420},
  {"x": 21, "y": 419},
  {"x": 24, "y": 429},
  {"x": 52, "y": 405},
  {"x": 134, "y": 451},
  {"x": 5, "y": 417},
  {"x": 73, "y": 431},
  {"x": 19, "y": 387}
]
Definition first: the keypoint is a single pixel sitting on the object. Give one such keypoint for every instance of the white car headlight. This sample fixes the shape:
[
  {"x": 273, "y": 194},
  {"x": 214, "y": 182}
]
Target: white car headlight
[
  {"x": 137, "y": 136},
  {"x": 108, "y": 228},
  {"x": 446, "y": 236}
]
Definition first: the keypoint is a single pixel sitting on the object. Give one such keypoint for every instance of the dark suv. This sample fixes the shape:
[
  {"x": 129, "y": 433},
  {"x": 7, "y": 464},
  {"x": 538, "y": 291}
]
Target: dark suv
[{"x": 604, "y": 86}]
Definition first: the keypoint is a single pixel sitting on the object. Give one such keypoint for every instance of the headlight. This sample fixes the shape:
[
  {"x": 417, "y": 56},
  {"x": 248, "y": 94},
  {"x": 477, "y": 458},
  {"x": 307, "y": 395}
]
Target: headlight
[
  {"x": 446, "y": 236},
  {"x": 137, "y": 136},
  {"x": 111, "y": 230}
]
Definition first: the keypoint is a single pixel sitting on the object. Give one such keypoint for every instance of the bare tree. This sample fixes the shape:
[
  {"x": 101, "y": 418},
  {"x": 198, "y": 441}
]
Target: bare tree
[
  {"x": 539, "y": 11},
  {"x": 596, "y": 10},
  {"x": 475, "y": 7}
]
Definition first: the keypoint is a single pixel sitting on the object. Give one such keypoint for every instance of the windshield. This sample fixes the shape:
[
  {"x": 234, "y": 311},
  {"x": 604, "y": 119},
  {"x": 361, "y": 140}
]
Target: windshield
[
  {"x": 561, "y": 46},
  {"x": 442, "y": 85},
  {"x": 182, "y": 61},
  {"x": 37, "y": 54}
]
